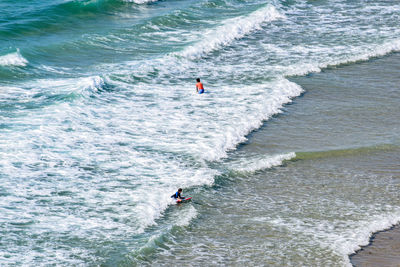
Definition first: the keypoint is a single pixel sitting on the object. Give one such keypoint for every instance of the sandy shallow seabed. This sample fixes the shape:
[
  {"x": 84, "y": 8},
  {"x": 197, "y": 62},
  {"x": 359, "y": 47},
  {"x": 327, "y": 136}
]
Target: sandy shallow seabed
[
  {"x": 384, "y": 246},
  {"x": 384, "y": 250}
]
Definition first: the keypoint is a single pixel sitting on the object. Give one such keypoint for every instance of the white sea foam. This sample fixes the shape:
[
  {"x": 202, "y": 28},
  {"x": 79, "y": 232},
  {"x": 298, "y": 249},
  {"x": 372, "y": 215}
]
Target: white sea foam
[
  {"x": 140, "y": 1},
  {"x": 13, "y": 59},
  {"x": 359, "y": 53},
  {"x": 84, "y": 86},
  {"x": 94, "y": 83},
  {"x": 258, "y": 163},
  {"x": 120, "y": 156},
  {"x": 97, "y": 136},
  {"x": 342, "y": 237},
  {"x": 231, "y": 30},
  {"x": 58, "y": 70},
  {"x": 189, "y": 214},
  {"x": 351, "y": 240}
]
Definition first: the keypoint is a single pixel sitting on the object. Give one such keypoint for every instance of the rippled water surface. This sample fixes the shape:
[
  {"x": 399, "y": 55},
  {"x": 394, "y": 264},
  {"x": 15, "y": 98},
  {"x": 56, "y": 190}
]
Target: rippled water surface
[{"x": 100, "y": 124}]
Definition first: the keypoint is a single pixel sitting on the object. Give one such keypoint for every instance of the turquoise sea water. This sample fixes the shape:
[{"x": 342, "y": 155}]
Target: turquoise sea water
[{"x": 100, "y": 124}]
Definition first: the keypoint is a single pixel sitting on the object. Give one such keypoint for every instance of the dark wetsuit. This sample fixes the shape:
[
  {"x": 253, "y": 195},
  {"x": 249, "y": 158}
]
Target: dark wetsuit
[{"x": 177, "y": 195}]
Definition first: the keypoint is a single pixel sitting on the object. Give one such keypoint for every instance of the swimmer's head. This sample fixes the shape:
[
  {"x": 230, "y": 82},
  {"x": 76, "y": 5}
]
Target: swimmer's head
[{"x": 198, "y": 80}]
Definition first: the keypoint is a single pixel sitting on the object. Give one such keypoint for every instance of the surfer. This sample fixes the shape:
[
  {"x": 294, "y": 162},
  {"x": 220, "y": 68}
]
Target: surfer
[
  {"x": 178, "y": 196},
  {"x": 199, "y": 86}
]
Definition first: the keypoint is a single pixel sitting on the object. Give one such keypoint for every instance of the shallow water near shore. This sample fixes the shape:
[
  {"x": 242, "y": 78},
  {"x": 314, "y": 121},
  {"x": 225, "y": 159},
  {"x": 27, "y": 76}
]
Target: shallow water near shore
[
  {"x": 100, "y": 124},
  {"x": 318, "y": 207},
  {"x": 384, "y": 250}
]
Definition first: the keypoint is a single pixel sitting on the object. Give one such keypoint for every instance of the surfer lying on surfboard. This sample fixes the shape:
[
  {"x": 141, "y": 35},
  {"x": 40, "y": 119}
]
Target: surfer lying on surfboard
[{"x": 178, "y": 196}]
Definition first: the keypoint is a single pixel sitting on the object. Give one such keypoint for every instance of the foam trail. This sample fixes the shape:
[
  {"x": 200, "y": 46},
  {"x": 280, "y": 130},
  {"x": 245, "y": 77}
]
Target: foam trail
[
  {"x": 83, "y": 86},
  {"x": 358, "y": 54},
  {"x": 258, "y": 164},
  {"x": 186, "y": 215},
  {"x": 37, "y": 92},
  {"x": 231, "y": 30},
  {"x": 141, "y": 1},
  {"x": 189, "y": 215},
  {"x": 348, "y": 236},
  {"x": 13, "y": 59}
]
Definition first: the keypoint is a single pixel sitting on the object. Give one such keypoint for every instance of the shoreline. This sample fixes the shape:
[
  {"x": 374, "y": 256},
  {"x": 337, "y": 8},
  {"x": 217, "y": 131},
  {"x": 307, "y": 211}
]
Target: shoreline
[
  {"x": 383, "y": 249},
  {"x": 330, "y": 116}
]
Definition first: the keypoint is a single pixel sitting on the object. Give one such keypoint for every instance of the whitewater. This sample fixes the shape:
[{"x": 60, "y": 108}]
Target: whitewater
[{"x": 100, "y": 123}]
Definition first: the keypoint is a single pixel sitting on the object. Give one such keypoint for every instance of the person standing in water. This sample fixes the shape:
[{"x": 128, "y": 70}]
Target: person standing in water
[{"x": 199, "y": 86}]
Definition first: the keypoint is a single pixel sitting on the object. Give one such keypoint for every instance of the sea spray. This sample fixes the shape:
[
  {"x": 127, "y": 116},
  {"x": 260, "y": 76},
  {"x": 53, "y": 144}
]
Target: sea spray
[{"x": 13, "y": 59}]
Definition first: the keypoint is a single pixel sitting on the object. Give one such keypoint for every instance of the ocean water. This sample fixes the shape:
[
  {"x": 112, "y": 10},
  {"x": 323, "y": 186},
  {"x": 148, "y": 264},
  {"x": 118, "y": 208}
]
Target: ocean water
[{"x": 291, "y": 155}]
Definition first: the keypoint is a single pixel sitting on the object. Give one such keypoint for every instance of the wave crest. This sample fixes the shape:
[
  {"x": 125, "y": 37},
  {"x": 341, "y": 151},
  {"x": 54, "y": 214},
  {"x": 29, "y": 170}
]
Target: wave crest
[
  {"x": 258, "y": 164},
  {"x": 359, "y": 54},
  {"x": 93, "y": 84},
  {"x": 13, "y": 59},
  {"x": 231, "y": 30}
]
